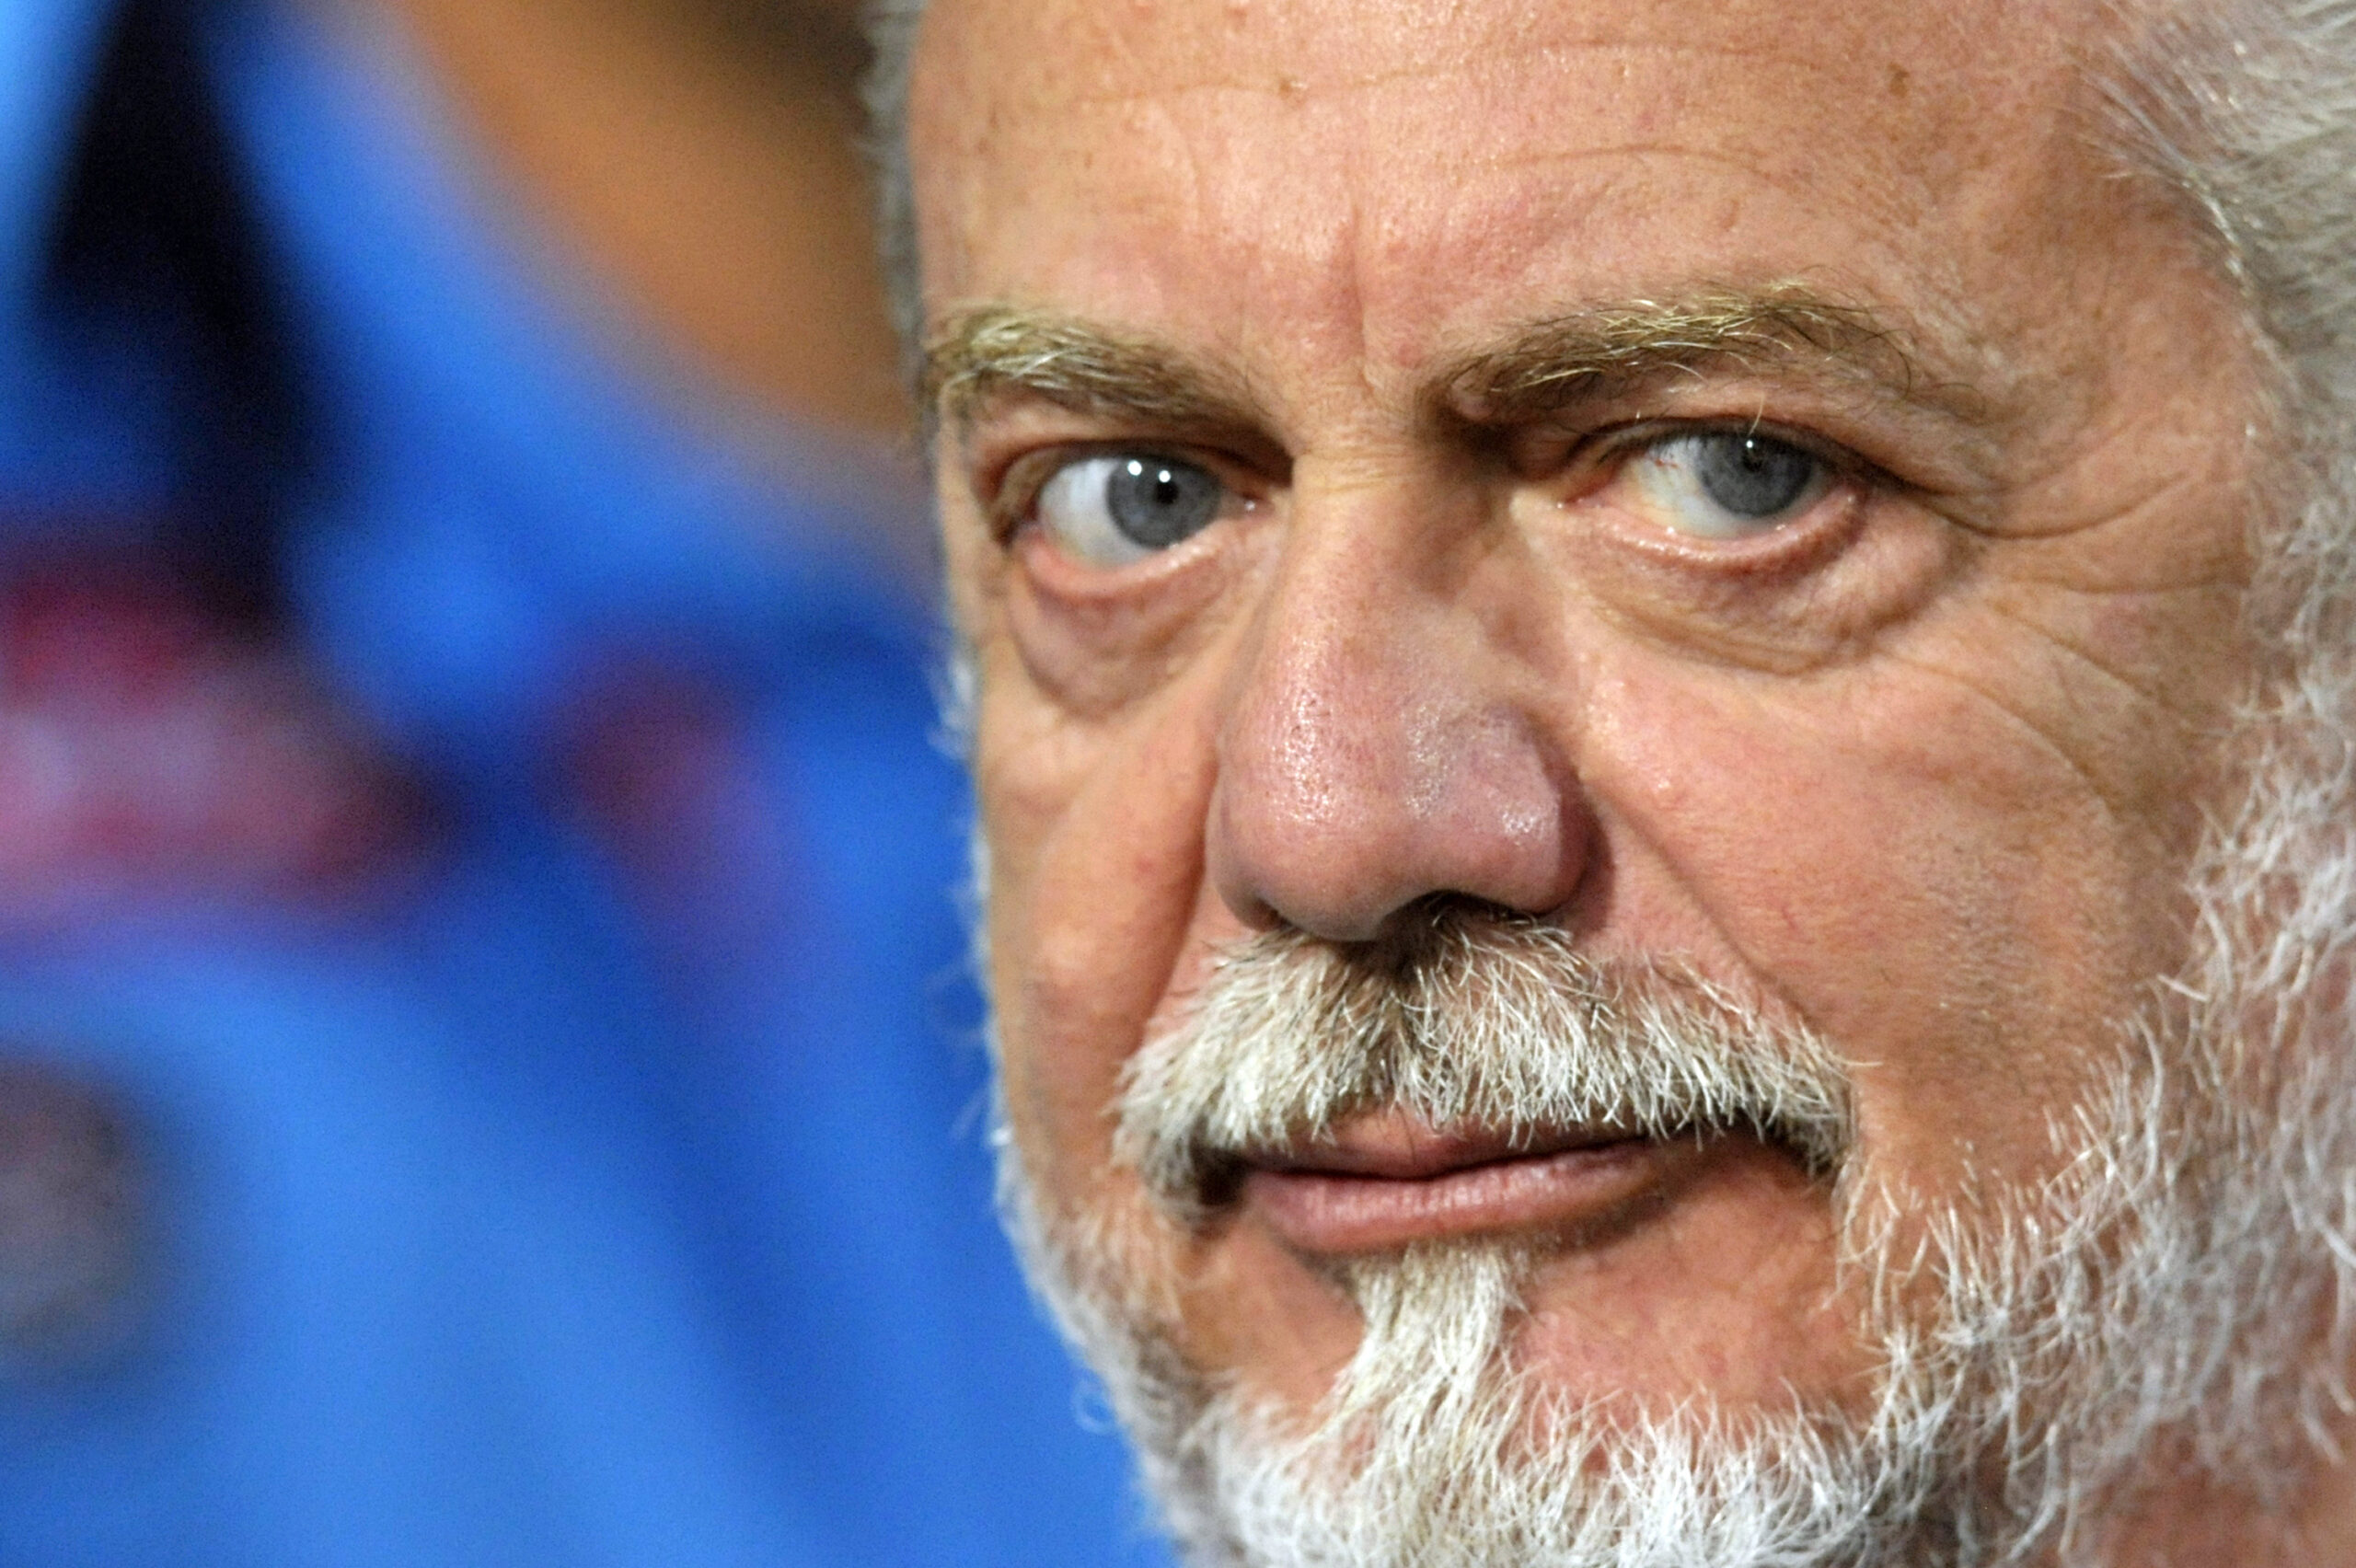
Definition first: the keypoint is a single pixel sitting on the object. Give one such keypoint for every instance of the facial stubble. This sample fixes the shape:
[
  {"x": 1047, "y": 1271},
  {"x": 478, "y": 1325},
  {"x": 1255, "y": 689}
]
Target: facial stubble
[
  {"x": 1434, "y": 1447},
  {"x": 2166, "y": 1284}
]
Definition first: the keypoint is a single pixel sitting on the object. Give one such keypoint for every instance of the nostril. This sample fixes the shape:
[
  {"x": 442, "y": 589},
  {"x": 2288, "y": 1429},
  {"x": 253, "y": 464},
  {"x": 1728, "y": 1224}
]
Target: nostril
[{"x": 1415, "y": 932}]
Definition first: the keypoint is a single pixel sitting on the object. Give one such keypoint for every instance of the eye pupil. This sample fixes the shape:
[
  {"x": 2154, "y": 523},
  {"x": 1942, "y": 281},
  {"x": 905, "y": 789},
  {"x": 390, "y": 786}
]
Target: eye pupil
[
  {"x": 1751, "y": 476},
  {"x": 1158, "y": 501}
]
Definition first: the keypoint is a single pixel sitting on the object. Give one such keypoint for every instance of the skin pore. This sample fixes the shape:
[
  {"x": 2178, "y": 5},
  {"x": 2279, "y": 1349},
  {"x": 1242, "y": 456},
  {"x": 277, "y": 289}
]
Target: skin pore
[{"x": 1434, "y": 292}]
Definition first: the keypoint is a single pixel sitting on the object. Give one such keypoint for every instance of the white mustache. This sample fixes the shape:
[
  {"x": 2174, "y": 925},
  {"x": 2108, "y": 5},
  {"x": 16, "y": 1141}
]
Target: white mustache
[{"x": 1464, "y": 1021}]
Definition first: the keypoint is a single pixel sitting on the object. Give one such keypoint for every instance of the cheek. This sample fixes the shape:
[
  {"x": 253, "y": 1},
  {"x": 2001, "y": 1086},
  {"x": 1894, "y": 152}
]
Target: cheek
[
  {"x": 1096, "y": 835},
  {"x": 1926, "y": 881},
  {"x": 1101, "y": 923}
]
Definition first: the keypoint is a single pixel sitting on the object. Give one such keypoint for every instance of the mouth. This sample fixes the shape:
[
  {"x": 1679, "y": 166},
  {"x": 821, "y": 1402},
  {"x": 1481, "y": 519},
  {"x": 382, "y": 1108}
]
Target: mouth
[{"x": 1384, "y": 1181}]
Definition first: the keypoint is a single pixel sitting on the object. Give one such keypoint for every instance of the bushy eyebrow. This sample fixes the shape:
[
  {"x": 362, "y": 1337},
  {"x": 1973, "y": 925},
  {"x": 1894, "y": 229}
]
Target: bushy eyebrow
[
  {"x": 1581, "y": 355},
  {"x": 1541, "y": 369},
  {"x": 980, "y": 356}
]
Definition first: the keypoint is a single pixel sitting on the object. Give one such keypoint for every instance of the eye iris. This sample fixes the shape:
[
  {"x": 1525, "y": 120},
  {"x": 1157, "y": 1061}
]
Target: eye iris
[
  {"x": 1156, "y": 501},
  {"x": 1751, "y": 476}
]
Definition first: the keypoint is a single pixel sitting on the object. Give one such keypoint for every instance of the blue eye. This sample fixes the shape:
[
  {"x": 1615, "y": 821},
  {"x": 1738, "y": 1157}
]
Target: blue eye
[
  {"x": 1116, "y": 508},
  {"x": 1727, "y": 484}
]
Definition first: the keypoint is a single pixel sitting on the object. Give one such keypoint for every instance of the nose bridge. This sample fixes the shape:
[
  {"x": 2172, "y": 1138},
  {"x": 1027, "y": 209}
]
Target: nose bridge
[{"x": 1379, "y": 742}]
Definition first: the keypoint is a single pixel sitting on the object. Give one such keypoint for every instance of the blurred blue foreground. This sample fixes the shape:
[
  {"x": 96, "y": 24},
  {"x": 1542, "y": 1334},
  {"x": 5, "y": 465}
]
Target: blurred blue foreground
[{"x": 480, "y": 1006}]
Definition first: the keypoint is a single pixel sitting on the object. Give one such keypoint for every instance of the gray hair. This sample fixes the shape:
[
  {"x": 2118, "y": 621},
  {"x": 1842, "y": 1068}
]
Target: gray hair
[
  {"x": 2246, "y": 110},
  {"x": 891, "y": 30}
]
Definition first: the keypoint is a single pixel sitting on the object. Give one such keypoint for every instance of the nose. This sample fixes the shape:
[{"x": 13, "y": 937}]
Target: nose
[{"x": 1389, "y": 734}]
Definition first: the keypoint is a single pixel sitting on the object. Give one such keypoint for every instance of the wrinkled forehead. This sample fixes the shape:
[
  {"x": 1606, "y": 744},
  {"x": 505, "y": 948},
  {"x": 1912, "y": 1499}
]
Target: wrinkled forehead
[
  {"x": 1399, "y": 170},
  {"x": 1058, "y": 55}
]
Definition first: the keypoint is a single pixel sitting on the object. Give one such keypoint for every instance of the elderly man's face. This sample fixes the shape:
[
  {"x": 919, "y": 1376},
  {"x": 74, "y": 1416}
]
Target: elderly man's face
[{"x": 1742, "y": 504}]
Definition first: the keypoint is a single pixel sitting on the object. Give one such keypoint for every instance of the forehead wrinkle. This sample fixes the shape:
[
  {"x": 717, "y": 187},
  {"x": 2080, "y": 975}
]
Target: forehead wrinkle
[
  {"x": 1886, "y": 203},
  {"x": 1750, "y": 167},
  {"x": 1594, "y": 351},
  {"x": 988, "y": 352},
  {"x": 1266, "y": 80}
]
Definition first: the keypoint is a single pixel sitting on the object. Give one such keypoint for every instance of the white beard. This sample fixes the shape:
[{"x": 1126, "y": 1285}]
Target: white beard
[
  {"x": 1433, "y": 1452},
  {"x": 2178, "y": 1286}
]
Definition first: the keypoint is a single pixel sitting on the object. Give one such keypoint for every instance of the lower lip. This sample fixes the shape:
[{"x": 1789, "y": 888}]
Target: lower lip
[{"x": 1324, "y": 1212}]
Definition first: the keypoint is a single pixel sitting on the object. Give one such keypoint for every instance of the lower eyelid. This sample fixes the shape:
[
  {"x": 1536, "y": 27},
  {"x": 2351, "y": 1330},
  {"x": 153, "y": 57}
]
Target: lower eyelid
[{"x": 1817, "y": 532}]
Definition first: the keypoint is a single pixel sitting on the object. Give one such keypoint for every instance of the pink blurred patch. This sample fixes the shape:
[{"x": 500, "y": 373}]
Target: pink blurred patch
[{"x": 150, "y": 751}]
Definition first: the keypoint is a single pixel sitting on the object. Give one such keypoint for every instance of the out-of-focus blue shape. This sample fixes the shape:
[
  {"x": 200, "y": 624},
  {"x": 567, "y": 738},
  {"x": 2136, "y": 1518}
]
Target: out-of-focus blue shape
[
  {"x": 73, "y": 431},
  {"x": 48, "y": 44},
  {"x": 596, "y": 1181}
]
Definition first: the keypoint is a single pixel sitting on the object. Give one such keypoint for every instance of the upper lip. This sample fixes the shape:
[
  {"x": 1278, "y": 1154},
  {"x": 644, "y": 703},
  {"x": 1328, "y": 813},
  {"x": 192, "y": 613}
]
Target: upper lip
[{"x": 1390, "y": 1146}]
